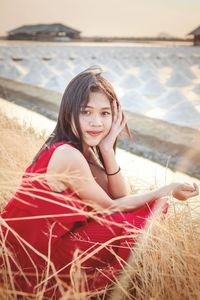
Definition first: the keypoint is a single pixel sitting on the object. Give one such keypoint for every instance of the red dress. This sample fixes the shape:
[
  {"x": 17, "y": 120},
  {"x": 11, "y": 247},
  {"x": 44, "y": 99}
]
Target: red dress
[{"x": 42, "y": 224}]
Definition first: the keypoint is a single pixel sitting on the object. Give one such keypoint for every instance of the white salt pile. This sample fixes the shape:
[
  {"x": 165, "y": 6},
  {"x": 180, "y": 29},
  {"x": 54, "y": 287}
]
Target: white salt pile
[
  {"x": 161, "y": 81},
  {"x": 146, "y": 74},
  {"x": 152, "y": 88},
  {"x": 130, "y": 81},
  {"x": 133, "y": 101},
  {"x": 186, "y": 109},
  {"x": 178, "y": 79},
  {"x": 196, "y": 89},
  {"x": 171, "y": 99}
]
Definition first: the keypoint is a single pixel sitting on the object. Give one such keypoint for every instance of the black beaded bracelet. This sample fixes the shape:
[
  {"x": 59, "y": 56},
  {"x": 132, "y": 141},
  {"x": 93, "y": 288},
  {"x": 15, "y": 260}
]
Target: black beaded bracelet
[{"x": 110, "y": 174}]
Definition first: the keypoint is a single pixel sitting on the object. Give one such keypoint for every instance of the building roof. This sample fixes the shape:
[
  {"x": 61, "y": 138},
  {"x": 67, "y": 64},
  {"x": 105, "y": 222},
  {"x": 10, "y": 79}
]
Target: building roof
[
  {"x": 195, "y": 31},
  {"x": 30, "y": 29}
]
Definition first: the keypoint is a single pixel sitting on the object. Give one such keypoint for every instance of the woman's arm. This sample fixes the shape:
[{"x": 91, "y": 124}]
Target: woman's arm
[
  {"x": 180, "y": 191},
  {"x": 74, "y": 172},
  {"x": 117, "y": 186}
]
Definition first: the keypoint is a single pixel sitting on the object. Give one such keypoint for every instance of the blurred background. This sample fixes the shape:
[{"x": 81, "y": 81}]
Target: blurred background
[
  {"x": 144, "y": 48},
  {"x": 148, "y": 49}
]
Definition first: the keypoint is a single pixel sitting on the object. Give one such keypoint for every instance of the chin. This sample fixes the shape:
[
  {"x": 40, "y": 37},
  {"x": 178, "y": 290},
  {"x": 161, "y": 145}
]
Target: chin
[{"x": 92, "y": 143}]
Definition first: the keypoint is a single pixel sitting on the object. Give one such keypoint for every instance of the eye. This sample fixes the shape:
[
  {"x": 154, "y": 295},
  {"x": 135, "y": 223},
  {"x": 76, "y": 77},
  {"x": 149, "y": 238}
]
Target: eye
[
  {"x": 85, "y": 112},
  {"x": 105, "y": 113}
]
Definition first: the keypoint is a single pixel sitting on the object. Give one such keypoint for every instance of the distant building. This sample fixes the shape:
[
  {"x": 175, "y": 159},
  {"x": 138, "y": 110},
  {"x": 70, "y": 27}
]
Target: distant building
[
  {"x": 44, "y": 32},
  {"x": 196, "y": 34}
]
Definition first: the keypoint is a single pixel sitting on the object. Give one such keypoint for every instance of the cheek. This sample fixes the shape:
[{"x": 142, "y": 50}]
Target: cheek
[
  {"x": 82, "y": 123},
  {"x": 109, "y": 123}
]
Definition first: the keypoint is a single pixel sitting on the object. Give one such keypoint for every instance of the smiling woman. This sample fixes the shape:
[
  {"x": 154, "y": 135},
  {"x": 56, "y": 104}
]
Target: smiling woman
[
  {"x": 73, "y": 208},
  {"x": 95, "y": 120}
]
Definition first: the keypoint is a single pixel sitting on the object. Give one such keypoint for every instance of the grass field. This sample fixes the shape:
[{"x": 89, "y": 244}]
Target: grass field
[{"x": 163, "y": 265}]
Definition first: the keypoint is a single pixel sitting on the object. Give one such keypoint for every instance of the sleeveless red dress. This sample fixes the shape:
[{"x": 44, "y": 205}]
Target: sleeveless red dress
[{"x": 45, "y": 231}]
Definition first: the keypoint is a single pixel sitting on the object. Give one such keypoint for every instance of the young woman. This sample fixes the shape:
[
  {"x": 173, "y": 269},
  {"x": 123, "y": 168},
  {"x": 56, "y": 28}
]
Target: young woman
[{"x": 73, "y": 207}]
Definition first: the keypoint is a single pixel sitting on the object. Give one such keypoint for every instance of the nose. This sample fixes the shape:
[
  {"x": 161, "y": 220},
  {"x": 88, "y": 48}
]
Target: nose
[{"x": 95, "y": 120}]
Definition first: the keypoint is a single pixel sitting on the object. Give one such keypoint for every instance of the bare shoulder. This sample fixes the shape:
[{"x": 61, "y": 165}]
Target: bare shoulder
[
  {"x": 64, "y": 157},
  {"x": 75, "y": 173}
]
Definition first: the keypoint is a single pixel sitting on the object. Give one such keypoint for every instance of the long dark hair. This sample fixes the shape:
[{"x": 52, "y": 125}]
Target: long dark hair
[{"x": 76, "y": 95}]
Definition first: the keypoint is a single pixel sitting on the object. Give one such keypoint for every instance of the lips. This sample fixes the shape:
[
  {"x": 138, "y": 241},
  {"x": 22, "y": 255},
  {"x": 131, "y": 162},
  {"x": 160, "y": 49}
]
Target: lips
[{"x": 94, "y": 133}]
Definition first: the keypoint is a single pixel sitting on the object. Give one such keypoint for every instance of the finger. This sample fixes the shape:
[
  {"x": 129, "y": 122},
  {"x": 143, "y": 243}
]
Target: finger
[
  {"x": 120, "y": 115},
  {"x": 192, "y": 194},
  {"x": 196, "y": 187},
  {"x": 124, "y": 121},
  {"x": 115, "y": 110},
  {"x": 188, "y": 187}
]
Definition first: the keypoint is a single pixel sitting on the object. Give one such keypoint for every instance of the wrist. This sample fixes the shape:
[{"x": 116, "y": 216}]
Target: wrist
[
  {"x": 114, "y": 173},
  {"x": 165, "y": 190},
  {"x": 107, "y": 152}
]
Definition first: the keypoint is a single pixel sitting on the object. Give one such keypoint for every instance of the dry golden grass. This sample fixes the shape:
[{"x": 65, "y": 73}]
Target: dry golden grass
[
  {"x": 18, "y": 146},
  {"x": 164, "y": 264}
]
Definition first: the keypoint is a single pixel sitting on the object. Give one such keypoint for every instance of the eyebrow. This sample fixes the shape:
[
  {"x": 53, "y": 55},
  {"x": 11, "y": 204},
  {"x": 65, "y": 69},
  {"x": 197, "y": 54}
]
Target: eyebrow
[{"x": 102, "y": 108}]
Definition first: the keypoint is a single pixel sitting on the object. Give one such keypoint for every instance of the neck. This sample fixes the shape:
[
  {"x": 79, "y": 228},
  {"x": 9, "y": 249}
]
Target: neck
[{"x": 86, "y": 151}]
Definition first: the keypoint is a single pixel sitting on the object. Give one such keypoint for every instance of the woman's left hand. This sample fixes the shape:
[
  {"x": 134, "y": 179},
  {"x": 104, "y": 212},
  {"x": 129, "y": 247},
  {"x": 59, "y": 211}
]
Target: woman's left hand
[
  {"x": 118, "y": 124},
  {"x": 184, "y": 191}
]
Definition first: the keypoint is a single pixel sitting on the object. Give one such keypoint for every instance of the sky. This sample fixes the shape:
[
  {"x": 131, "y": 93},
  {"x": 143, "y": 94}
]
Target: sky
[{"x": 137, "y": 18}]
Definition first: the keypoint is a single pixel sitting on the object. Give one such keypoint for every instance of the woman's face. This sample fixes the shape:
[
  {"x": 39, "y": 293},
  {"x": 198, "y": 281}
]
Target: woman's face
[{"x": 95, "y": 119}]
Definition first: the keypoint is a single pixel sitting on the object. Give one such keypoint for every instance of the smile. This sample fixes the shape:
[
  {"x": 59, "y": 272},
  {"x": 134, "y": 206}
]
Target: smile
[{"x": 94, "y": 133}]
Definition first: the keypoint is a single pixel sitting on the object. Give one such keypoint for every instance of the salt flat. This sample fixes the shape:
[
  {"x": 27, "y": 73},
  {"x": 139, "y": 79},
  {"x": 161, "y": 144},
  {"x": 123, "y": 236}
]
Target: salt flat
[{"x": 159, "y": 81}]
